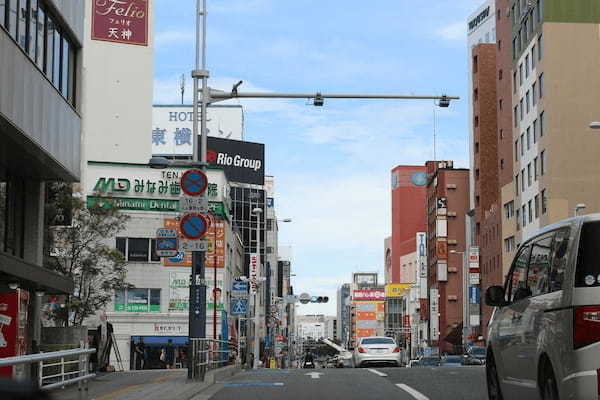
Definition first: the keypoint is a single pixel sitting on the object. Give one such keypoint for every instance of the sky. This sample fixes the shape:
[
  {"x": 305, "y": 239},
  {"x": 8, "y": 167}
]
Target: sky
[{"x": 331, "y": 164}]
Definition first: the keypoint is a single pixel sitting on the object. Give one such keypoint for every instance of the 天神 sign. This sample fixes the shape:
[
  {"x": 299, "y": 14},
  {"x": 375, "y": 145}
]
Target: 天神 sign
[{"x": 120, "y": 21}]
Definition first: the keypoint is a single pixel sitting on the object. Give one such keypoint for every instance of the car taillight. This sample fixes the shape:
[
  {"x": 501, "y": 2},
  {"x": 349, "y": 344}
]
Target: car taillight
[
  {"x": 396, "y": 350},
  {"x": 361, "y": 350},
  {"x": 586, "y": 327}
]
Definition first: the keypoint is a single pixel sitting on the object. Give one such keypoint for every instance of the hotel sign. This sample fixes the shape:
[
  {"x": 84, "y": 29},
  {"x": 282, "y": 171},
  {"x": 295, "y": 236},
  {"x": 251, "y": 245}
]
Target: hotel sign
[{"x": 120, "y": 21}]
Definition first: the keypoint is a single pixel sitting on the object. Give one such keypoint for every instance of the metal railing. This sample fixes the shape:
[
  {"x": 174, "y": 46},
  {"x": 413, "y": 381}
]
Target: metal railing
[
  {"x": 209, "y": 354},
  {"x": 57, "y": 368}
]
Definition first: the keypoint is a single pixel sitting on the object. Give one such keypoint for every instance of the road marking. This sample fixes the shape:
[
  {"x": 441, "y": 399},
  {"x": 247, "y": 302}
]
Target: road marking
[
  {"x": 247, "y": 384},
  {"x": 414, "y": 393},
  {"x": 377, "y": 372},
  {"x": 314, "y": 375}
]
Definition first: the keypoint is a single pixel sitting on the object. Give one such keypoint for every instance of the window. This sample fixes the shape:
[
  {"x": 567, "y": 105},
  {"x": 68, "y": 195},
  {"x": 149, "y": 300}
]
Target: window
[
  {"x": 516, "y": 116},
  {"x": 502, "y": 163},
  {"x": 522, "y": 144},
  {"x": 528, "y": 101},
  {"x": 509, "y": 244},
  {"x": 527, "y": 66},
  {"x": 538, "y": 12},
  {"x": 559, "y": 257},
  {"x": 541, "y": 85},
  {"x": 137, "y": 300},
  {"x": 518, "y": 275},
  {"x": 521, "y": 110},
  {"x": 476, "y": 122},
  {"x": 519, "y": 43},
  {"x": 533, "y": 56},
  {"x": 477, "y": 173},
  {"x": 514, "y": 52},
  {"x": 517, "y": 184},
  {"x": 501, "y": 133},
  {"x": 542, "y": 124},
  {"x": 269, "y": 250},
  {"x": 499, "y": 45},
  {"x": 540, "y": 46},
  {"x": 153, "y": 255},
  {"x": 535, "y": 132},
  {"x": 500, "y": 104},
  {"x": 523, "y": 180},
  {"x": 500, "y": 75},
  {"x": 544, "y": 201},
  {"x": 535, "y": 168},
  {"x": 122, "y": 245},
  {"x": 521, "y": 74},
  {"x": 588, "y": 267},
  {"x": 537, "y": 206},
  {"x": 41, "y": 32},
  {"x": 515, "y": 82},
  {"x": 476, "y": 147},
  {"x": 543, "y": 162},
  {"x": 529, "y": 211},
  {"x": 475, "y": 64},
  {"x": 518, "y": 219},
  {"x": 528, "y": 137},
  {"x": 509, "y": 209},
  {"x": 22, "y": 24},
  {"x": 50, "y": 27},
  {"x": 524, "y": 215},
  {"x": 2, "y": 12},
  {"x": 538, "y": 274},
  {"x": 269, "y": 224},
  {"x": 529, "y": 177},
  {"x": 138, "y": 249},
  {"x": 534, "y": 94},
  {"x": 56, "y": 68},
  {"x": 32, "y": 28},
  {"x": 517, "y": 150},
  {"x": 12, "y": 18}
]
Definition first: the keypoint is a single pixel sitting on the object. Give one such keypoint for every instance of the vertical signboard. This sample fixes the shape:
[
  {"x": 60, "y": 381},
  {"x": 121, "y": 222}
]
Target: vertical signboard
[
  {"x": 434, "y": 317},
  {"x": 422, "y": 263},
  {"x": 253, "y": 271},
  {"x": 120, "y": 21},
  {"x": 179, "y": 291}
]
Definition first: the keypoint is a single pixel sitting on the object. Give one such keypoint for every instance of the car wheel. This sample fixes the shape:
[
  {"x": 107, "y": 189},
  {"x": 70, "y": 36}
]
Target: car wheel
[
  {"x": 548, "y": 386},
  {"x": 493, "y": 383}
]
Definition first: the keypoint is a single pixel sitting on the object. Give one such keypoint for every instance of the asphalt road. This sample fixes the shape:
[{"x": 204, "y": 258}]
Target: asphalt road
[{"x": 445, "y": 383}]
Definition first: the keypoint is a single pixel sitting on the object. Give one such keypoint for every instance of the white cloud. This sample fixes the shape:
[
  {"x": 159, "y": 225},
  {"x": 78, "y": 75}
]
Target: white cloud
[{"x": 455, "y": 31}]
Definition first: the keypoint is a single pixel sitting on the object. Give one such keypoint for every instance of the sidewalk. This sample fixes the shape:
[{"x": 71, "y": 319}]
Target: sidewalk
[{"x": 138, "y": 385}]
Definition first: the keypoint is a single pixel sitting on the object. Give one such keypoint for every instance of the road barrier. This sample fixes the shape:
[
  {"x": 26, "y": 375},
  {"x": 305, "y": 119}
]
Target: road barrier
[{"x": 209, "y": 354}]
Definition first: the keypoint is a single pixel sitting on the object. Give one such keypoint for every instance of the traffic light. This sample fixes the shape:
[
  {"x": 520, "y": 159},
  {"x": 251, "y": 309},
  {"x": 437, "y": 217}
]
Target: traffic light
[{"x": 322, "y": 299}]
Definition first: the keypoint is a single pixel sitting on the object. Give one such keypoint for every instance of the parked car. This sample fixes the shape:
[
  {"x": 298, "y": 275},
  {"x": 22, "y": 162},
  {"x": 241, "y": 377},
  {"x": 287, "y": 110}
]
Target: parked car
[
  {"x": 544, "y": 338},
  {"x": 429, "y": 361},
  {"x": 451, "y": 361},
  {"x": 376, "y": 349}
]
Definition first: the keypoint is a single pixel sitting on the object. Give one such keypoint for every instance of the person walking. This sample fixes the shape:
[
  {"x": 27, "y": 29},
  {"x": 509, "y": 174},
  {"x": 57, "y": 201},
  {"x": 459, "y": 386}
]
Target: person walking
[{"x": 170, "y": 354}]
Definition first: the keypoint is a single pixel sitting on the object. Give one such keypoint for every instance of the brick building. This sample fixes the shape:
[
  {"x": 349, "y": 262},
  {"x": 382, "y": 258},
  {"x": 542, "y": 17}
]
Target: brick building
[{"x": 447, "y": 204}]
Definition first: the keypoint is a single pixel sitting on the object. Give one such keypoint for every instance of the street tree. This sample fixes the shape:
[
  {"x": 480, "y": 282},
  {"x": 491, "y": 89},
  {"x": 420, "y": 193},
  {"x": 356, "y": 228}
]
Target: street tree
[{"x": 79, "y": 252}]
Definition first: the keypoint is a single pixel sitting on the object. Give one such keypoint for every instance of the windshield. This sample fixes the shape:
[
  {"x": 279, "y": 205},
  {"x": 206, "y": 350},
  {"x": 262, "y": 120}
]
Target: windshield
[{"x": 377, "y": 341}]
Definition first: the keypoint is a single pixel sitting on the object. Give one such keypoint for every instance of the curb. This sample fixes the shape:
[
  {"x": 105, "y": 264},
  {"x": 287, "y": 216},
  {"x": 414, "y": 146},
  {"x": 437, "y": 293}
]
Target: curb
[{"x": 210, "y": 379}]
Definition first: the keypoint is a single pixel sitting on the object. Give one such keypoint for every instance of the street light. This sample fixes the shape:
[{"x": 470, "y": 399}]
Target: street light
[
  {"x": 579, "y": 207},
  {"x": 595, "y": 125},
  {"x": 465, "y": 282},
  {"x": 258, "y": 212}
]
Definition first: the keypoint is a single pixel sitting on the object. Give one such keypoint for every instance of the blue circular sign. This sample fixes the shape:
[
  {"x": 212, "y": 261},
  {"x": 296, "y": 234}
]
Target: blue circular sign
[
  {"x": 193, "y": 226},
  {"x": 194, "y": 182},
  {"x": 419, "y": 178}
]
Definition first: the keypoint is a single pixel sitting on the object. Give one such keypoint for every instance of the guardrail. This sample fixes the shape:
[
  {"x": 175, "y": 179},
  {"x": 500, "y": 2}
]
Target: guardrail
[
  {"x": 58, "y": 368},
  {"x": 208, "y": 354}
]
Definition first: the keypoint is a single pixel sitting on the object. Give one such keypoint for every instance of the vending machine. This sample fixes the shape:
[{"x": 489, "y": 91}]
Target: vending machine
[{"x": 13, "y": 328}]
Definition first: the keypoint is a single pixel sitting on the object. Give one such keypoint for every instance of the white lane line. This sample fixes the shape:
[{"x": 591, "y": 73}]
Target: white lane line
[
  {"x": 377, "y": 372},
  {"x": 414, "y": 393}
]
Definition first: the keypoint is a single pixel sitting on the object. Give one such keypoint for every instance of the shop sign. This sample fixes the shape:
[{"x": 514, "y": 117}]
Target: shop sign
[
  {"x": 368, "y": 294},
  {"x": 120, "y": 21},
  {"x": 145, "y": 204},
  {"x": 142, "y": 186},
  {"x": 473, "y": 279},
  {"x": 396, "y": 289},
  {"x": 434, "y": 317},
  {"x": 170, "y": 329},
  {"x": 253, "y": 271},
  {"x": 243, "y": 162},
  {"x": 179, "y": 291},
  {"x": 474, "y": 295}
]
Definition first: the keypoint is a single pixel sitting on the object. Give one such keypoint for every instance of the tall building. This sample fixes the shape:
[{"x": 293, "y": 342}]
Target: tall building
[
  {"x": 40, "y": 135},
  {"x": 408, "y": 216},
  {"x": 555, "y": 56},
  {"x": 447, "y": 204},
  {"x": 343, "y": 314},
  {"x": 367, "y": 316}
]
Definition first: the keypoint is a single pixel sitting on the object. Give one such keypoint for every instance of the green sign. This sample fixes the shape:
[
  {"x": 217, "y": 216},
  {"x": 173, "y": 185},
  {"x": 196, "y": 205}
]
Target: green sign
[
  {"x": 137, "y": 307},
  {"x": 142, "y": 204},
  {"x": 140, "y": 186}
]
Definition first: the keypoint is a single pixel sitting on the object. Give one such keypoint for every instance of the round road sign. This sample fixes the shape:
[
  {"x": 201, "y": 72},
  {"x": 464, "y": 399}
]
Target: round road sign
[
  {"x": 194, "y": 182},
  {"x": 193, "y": 226},
  {"x": 304, "y": 298}
]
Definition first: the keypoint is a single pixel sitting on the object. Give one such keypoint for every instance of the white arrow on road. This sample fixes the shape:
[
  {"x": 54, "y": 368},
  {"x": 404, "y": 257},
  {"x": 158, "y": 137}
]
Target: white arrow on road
[{"x": 315, "y": 375}]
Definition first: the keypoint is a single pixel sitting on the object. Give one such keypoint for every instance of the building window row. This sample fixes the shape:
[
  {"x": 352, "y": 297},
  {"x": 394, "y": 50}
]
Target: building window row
[
  {"x": 41, "y": 36},
  {"x": 527, "y": 16},
  {"x": 532, "y": 210},
  {"x": 531, "y": 135},
  {"x": 509, "y": 244},
  {"x": 138, "y": 249}
]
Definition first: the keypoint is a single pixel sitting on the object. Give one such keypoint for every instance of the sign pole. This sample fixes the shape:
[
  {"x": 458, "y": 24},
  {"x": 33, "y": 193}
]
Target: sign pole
[{"x": 197, "y": 303}]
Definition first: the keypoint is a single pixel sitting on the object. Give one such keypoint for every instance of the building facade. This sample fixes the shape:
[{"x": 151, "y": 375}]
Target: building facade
[
  {"x": 447, "y": 204},
  {"x": 343, "y": 314},
  {"x": 40, "y": 130}
]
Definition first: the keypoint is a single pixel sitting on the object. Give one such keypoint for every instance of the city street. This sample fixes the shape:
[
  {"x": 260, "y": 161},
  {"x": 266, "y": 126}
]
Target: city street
[{"x": 464, "y": 383}]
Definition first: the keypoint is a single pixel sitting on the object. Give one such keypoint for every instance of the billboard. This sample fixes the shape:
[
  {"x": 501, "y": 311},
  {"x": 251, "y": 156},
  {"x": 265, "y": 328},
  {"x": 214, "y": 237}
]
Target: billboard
[
  {"x": 365, "y": 278},
  {"x": 120, "y": 21},
  {"x": 396, "y": 289},
  {"x": 368, "y": 295},
  {"x": 434, "y": 315},
  {"x": 172, "y": 127},
  {"x": 215, "y": 255},
  {"x": 243, "y": 162}
]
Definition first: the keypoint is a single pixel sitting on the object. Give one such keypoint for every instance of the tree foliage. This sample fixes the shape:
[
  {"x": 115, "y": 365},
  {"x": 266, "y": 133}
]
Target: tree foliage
[{"x": 80, "y": 252}]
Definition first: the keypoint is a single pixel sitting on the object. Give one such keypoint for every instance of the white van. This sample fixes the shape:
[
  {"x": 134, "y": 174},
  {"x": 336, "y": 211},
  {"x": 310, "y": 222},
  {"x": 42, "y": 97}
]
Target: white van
[{"x": 544, "y": 336}]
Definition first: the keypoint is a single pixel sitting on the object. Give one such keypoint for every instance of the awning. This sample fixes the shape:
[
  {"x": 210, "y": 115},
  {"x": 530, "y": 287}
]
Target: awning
[{"x": 32, "y": 277}]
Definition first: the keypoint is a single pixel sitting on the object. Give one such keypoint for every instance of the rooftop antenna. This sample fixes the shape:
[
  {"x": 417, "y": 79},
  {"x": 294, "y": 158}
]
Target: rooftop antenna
[{"x": 182, "y": 86}]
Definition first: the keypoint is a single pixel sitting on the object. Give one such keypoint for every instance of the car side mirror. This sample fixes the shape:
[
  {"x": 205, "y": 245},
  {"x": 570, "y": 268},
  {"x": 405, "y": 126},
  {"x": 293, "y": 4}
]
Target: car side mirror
[{"x": 494, "y": 296}]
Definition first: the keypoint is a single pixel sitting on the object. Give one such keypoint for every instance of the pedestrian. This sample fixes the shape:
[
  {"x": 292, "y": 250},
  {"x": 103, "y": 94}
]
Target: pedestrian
[
  {"x": 170, "y": 354},
  {"x": 250, "y": 360},
  {"x": 140, "y": 353}
]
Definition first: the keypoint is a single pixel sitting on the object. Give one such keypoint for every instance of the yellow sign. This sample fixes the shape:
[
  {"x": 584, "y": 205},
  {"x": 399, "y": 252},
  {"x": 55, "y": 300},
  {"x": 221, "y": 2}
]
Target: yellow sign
[{"x": 396, "y": 289}]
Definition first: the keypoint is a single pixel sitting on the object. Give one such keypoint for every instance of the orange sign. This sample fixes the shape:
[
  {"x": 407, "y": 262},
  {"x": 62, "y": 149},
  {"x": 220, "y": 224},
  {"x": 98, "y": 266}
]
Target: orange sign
[
  {"x": 442, "y": 249},
  {"x": 365, "y": 332},
  {"x": 366, "y": 316},
  {"x": 380, "y": 306},
  {"x": 214, "y": 234}
]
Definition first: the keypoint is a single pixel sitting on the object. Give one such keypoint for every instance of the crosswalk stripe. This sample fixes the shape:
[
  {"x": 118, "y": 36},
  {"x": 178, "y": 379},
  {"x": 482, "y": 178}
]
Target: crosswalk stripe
[{"x": 414, "y": 393}]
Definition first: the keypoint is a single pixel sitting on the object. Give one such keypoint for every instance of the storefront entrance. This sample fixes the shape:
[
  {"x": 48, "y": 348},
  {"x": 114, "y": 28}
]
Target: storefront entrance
[{"x": 146, "y": 352}]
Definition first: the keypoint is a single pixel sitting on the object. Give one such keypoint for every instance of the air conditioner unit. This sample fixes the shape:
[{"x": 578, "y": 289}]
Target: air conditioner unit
[{"x": 451, "y": 186}]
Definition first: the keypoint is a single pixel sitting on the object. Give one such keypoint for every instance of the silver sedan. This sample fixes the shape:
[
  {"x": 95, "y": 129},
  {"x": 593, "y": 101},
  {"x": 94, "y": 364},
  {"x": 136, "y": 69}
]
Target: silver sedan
[{"x": 375, "y": 349}]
